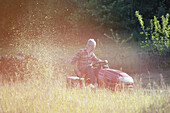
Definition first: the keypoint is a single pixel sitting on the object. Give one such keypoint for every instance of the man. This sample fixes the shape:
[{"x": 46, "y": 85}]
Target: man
[{"x": 83, "y": 59}]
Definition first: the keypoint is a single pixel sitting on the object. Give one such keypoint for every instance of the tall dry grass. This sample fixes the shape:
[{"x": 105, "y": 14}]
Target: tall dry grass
[{"x": 51, "y": 96}]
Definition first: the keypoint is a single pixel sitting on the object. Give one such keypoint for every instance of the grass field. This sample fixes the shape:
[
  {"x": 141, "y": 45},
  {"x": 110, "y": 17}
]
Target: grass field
[
  {"x": 47, "y": 93},
  {"x": 51, "y": 96}
]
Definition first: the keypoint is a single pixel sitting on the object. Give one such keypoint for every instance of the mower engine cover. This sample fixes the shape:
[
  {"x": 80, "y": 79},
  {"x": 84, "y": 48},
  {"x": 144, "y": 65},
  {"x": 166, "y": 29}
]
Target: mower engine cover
[{"x": 112, "y": 77}]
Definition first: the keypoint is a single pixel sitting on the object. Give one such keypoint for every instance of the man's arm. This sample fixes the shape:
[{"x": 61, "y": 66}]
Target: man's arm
[{"x": 95, "y": 59}]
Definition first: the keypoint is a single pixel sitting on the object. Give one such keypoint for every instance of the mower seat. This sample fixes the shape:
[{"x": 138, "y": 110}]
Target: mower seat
[{"x": 74, "y": 81}]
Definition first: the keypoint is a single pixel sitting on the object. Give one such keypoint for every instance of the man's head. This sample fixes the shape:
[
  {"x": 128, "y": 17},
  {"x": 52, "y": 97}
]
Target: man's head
[{"x": 91, "y": 44}]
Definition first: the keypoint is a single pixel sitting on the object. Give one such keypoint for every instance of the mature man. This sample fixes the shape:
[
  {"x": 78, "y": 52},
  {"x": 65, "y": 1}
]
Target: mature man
[{"x": 83, "y": 60}]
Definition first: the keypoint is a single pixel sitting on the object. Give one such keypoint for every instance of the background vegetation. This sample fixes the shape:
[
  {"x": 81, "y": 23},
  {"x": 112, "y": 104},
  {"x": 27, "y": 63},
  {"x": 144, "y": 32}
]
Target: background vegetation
[{"x": 75, "y": 21}]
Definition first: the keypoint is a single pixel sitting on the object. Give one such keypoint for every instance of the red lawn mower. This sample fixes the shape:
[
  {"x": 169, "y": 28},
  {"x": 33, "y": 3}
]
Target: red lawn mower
[{"x": 106, "y": 77}]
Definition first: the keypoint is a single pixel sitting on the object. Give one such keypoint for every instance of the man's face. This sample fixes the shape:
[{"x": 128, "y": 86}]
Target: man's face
[{"x": 91, "y": 47}]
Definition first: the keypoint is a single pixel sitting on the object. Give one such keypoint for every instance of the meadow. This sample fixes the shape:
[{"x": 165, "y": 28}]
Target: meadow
[{"x": 45, "y": 91}]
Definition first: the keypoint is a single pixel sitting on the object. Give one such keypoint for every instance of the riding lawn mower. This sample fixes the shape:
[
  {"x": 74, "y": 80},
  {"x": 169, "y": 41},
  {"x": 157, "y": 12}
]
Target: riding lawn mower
[{"x": 106, "y": 77}]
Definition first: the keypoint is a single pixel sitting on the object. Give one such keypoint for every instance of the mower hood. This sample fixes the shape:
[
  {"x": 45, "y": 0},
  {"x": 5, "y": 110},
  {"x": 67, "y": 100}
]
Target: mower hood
[{"x": 118, "y": 72}]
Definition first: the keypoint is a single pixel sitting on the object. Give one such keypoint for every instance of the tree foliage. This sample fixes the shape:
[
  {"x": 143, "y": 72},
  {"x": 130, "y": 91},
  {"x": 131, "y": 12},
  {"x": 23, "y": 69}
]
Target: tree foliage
[
  {"x": 118, "y": 15},
  {"x": 70, "y": 15},
  {"x": 157, "y": 35}
]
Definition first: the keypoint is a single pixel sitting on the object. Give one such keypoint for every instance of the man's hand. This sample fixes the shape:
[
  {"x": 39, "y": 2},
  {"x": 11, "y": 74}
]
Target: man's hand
[
  {"x": 106, "y": 61},
  {"x": 78, "y": 73}
]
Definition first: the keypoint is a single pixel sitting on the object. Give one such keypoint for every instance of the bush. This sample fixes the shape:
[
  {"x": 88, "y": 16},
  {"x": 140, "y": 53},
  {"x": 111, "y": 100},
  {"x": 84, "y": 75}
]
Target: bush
[{"x": 156, "y": 35}]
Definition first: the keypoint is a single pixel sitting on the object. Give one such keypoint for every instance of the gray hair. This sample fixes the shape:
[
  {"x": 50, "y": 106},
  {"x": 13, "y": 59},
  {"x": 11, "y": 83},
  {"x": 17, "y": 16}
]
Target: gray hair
[{"x": 91, "y": 42}]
